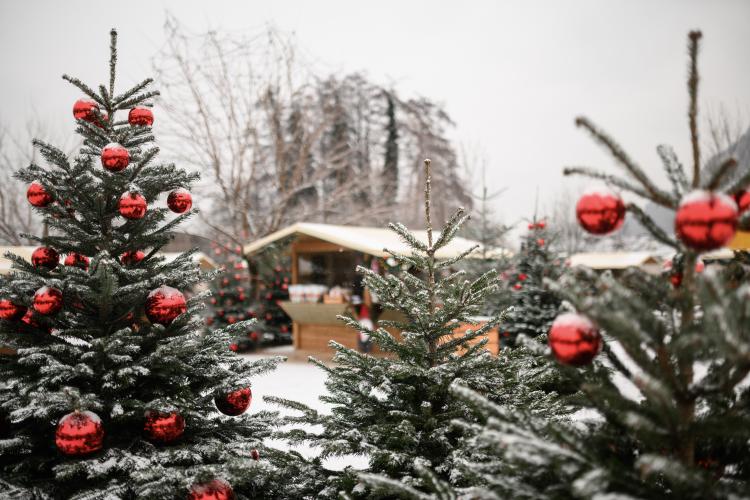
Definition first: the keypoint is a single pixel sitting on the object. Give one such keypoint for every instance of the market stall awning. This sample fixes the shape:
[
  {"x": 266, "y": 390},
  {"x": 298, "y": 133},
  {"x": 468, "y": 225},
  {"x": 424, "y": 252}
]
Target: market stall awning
[
  {"x": 616, "y": 260},
  {"x": 204, "y": 261},
  {"x": 369, "y": 240}
]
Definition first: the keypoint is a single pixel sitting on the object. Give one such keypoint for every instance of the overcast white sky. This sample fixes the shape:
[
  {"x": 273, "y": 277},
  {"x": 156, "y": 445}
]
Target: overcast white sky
[{"x": 513, "y": 75}]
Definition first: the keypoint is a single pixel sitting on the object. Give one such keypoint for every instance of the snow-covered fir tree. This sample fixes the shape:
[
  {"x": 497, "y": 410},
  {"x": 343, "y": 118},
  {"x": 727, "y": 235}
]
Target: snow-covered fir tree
[
  {"x": 398, "y": 409},
  {"x": 533, "y": 306},
  {"x": 112, "y": 389},
  {"x": 666, "y": 409}
]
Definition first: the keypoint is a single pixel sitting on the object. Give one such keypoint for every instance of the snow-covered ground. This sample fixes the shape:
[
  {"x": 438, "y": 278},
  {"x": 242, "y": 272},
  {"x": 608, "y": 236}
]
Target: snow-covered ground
[{"x": 298, "y": 381}]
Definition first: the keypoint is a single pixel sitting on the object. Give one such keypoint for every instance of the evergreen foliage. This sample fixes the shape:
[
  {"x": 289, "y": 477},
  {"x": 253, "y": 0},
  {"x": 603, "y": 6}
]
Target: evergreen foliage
[
  {"x": 101, "y": 354},
  {"x": 398, "y": 409},
  {"x": 665, "y": 409}
]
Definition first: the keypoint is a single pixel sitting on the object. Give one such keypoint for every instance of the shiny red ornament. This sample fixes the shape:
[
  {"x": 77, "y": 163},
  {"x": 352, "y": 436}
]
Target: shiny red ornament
[
  {"x": 743, "y": 200},
  {"x": 541, "y": 225},
  {"x": 115, "y": 157},
  {"x": 140, "y": 116},
  {"x": 574, "y": 339},
  {"x": 29, "y": 320},
  {"x": 132, "y": 257},
  {"x": 254, "y": 454},
  {"x": 85, "y": 109},
  {"x": 540, "y": 242},
  {"x": 179, "y": 201},
  {"x": 79, "y": 433},
  {"x": 254, "y": 336},
  {"x": 234, "y": 403},
  {"x": 523, "y": 277},
  {"x": 600, "y": 211},
  {"x": 231, "y": 320},
  {"x": 164, "y": 304},
  {"x": 218, "y": 489},
  {"x": 78, "y": 260},
  {"x": 48, "y": 301},
  {"x": 675, "y": 277},
  {"x": 517, "y": 286},
  {"x": 38, "y": 196},
  {"x": 132, "y": 206},
  {"x": 233, "y": 347},
  {"x": 45, "y": 257},
  {"x": 163, "y": 427},
  {"x": 706, "y": 221},
  {"x": 10, "y": 311}
]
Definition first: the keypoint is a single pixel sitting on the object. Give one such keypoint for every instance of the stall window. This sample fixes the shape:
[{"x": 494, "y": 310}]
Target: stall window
[{"x": 330, "y": 268}]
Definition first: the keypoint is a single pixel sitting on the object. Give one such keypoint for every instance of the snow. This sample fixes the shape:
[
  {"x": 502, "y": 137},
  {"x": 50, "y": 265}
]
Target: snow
[
  {"x": 702, "y": 196},
  {"x": 302, "y": 382},
  {"x": 602, "y": 191},
  {"x": 573, "y": 320}
]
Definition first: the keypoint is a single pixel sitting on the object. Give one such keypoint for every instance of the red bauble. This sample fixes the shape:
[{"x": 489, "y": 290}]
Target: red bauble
[
  {"x": 115, "y": 157},
  {"x": 28, "y": 319},
  {"x": 600, "y": 211},
  {"x": 48, "y": 301},
  {"x": 179, "y": 201},
  {"x": 675, "y": 277},
  {"x": 78, "y": 260},
  {"x": 743, "y": 200},
  {"x": 79, "y": 433},
  {"x": 218, "y": 489},
  {"x": 234, "y": 403},
  {"x": 254, "y": 336},
  {"x": 522, "y": 277},
  {"x": 45, "y": 257},
  {"x": 254, "y": 454},
  {"x": 517, "y": 286},
  {"x": 541, "y": 224},
  {"x": 574, "y": 339},
  {"x": 140, "y": 116},
  {"x": 164, "y": 304},
  {"x": 85, "y": 109},
  {"x": 706, "y": 221},
  {"x": 10, "y": 311},
  {"x": 163, "y": 427},
  {"x": 231, "y": 320},
  {"x": 233, "y": 347},
  {"x": 132, "y": 257},
  {"x": 132, "y": 206},
  {"x": 38, "y": 196}
]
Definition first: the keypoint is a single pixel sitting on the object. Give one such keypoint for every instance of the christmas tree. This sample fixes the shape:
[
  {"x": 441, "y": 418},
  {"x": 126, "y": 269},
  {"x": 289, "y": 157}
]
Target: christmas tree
[
  {"x": 533, "y": 306},
  {"x": 398, "y": 409},
  {"x": 667, "y": 412},
  {"x": 113, "y": 390}
]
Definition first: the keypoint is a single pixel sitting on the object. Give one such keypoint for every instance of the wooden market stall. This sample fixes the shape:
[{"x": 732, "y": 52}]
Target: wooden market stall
[{"x": 324, "y": 281}]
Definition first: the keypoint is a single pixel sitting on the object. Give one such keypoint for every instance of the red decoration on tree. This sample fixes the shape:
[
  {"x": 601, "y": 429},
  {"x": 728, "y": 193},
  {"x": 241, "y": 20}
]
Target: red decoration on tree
[
  {"x": 132, "y": 206},
  {"x": 743, "y": 200},
  {"x": 10, "y": 311},
  {"x": 233, "y": 347},
  {"x": 45, "y": 257},
  {"x": 140, "y": 116},
  {"x": 675, "y": 277},
  {"x": 132, "y": 257},
  {"x": 522, "y": 277},
  {"x": 254, "y": 454},
  {"x": 234, "y": 403},
  {"x": 574, "y": 339},
  {"x": 164, "y": 304},
  {"x": 29, "y": 319},
  {"x": 517, "y": 286},
  {"x": 600, "y": 211},
  {"x": 79, "y": 433},
  {"x": 218, "y": 489},
  {"x": 706, "y": 221},
  {"x": 179, "y": 201},
  {"x": 115, "y": 157},
  {"x": 78, "y": 260},
  {"x": 85, "y": 109},
  {"x": 163, "y": 427},
  {"x": 48, "y": 301},
  {"x": 38, "y": 196}
]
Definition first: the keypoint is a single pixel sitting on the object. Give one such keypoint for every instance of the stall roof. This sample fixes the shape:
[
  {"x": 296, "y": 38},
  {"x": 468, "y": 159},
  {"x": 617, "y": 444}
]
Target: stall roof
[
  {"x": 205, "y": 262},
  {"x": 614, "y": 260},
  {"x": 369, "y": 240}
]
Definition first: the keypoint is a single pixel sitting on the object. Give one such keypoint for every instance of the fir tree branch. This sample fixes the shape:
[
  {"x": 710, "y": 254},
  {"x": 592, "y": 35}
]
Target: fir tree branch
[
  {"x": 664, "y": 198},
  {"x": 651, "y": 226},
  {"x": 112, "y": 60},
  {"x": 675, "y": 171},
  {"x": 694, "y": 38},
  {"x": 726, "y": 167}
]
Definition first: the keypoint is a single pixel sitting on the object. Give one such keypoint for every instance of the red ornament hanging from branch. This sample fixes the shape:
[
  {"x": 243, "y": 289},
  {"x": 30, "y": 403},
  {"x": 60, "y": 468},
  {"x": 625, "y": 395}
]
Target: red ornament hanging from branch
[
  {"x": 45, "y": 257},
  {"x": 179, "y": 201},
  {"x": 10, "y": 311},
  {"x": 218, "y": 489},
  {"x": 706, "y": 221},
  {"x": 48, "y": 301},
  {"x": 164, "y": 304},
  {"x": 38, "y": 196},
  {"x": 79, "y": 433},
  {"x": 85, "y": 109},
  {"x": 574, "y": 339},
  {"x": 132, "y": 257},
  {"x": 163, "y": 428},
  {"x": 77, "y": 260},
  {"x": 140, "y": 116},
  {"x": 600, "y": 211},
  {"x": 234, "y": 403},
  {"x": 132, "y": 206},
  {"x": 115, "y": 157}
]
